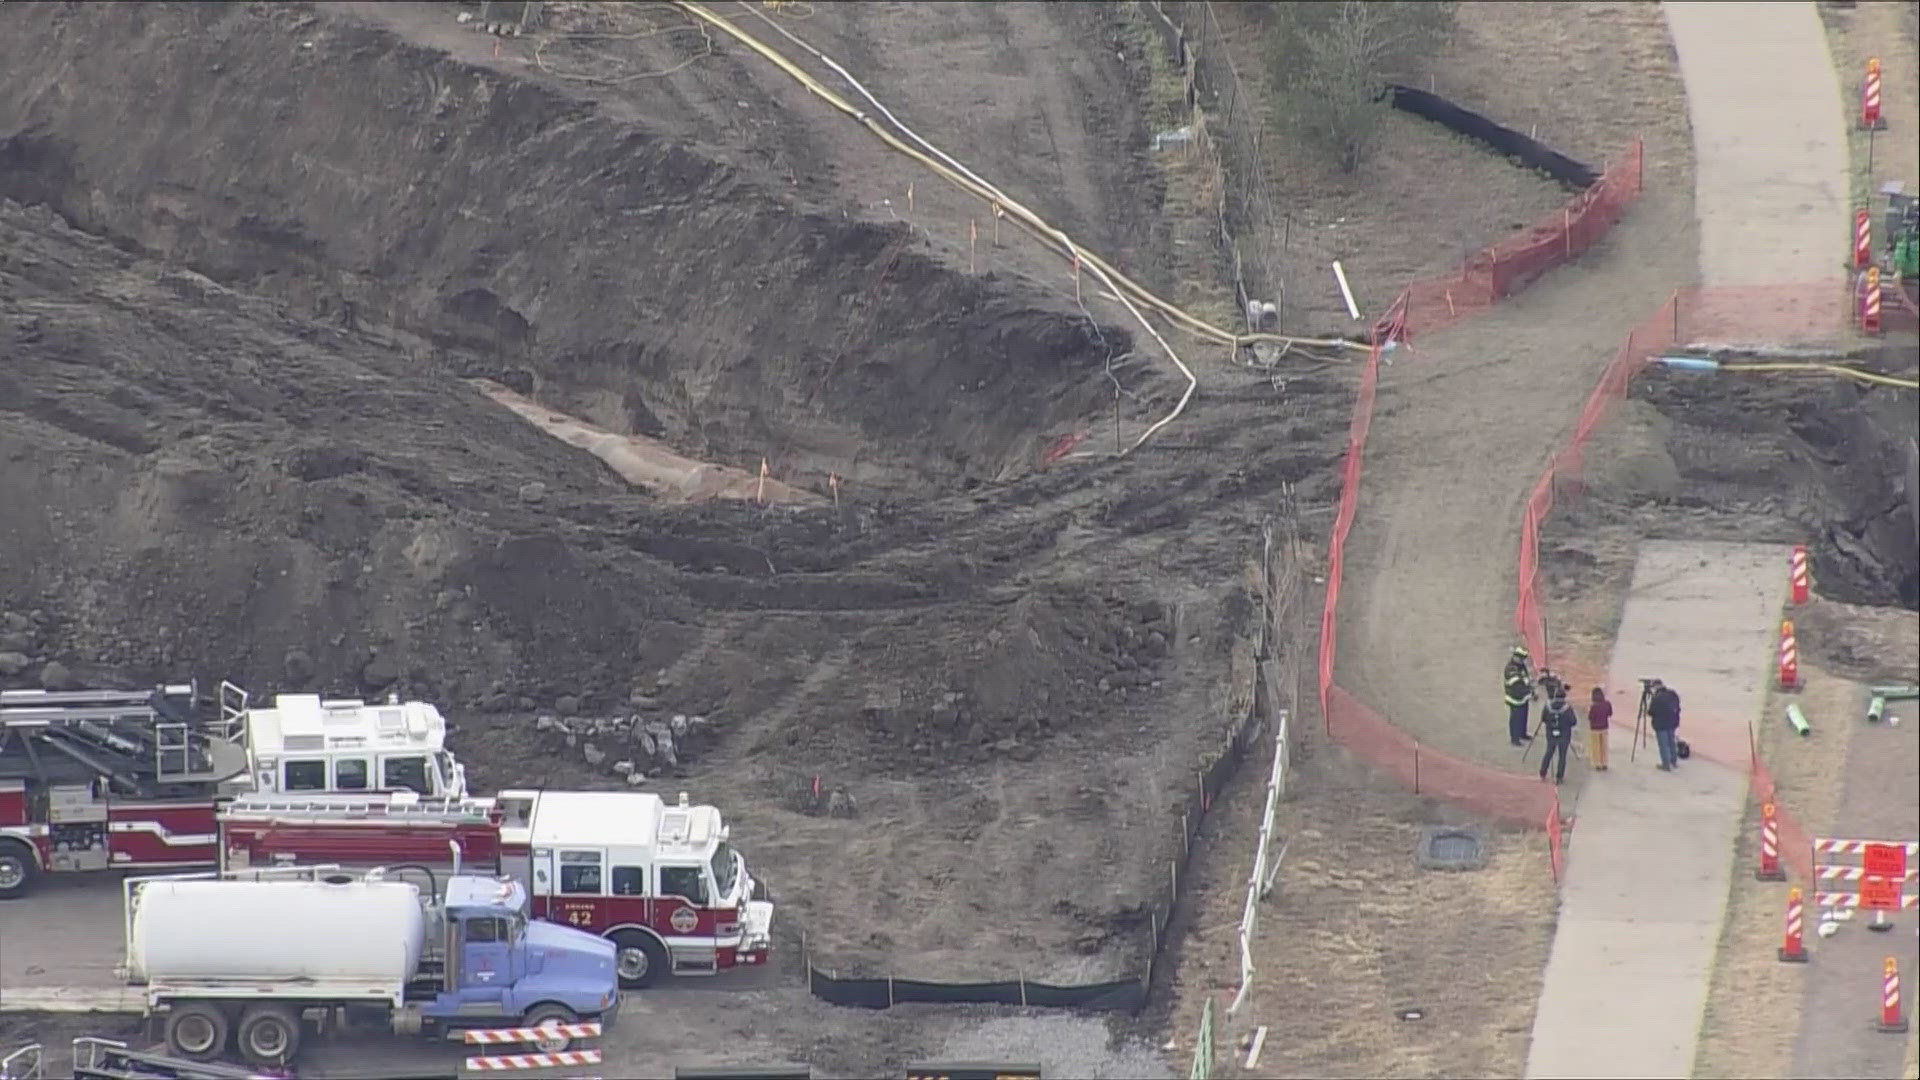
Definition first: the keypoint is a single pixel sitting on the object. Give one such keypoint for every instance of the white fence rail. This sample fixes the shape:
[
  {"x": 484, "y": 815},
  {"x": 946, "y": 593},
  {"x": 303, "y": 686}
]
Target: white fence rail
[{"x": 1265, "y": 868}]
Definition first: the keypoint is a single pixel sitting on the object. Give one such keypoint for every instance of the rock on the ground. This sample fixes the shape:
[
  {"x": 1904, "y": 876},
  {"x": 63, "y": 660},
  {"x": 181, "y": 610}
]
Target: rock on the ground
[
  {"x": 379, "y": 672},
  {"x": 299, "y": 667},
  {"x": 567, "y": 705},
  {"x": 12, "y": 663}
]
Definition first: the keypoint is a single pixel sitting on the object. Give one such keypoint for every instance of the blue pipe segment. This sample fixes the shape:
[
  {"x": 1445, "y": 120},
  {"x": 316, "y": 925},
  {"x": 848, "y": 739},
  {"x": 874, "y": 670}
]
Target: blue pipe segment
[{"x": 1690, "y": 363}]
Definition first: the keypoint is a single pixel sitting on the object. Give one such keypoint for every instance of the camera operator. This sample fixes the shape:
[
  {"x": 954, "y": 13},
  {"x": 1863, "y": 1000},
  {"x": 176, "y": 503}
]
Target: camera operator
[
  {"x": 1663, "y": 714},
  {"x": 1559, "y": 720}
]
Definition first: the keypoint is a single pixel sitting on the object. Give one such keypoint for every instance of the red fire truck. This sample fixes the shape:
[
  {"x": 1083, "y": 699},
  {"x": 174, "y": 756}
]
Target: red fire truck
[
  {"x": 99, "y": 779},
  {"x": 660, "y": 880}
]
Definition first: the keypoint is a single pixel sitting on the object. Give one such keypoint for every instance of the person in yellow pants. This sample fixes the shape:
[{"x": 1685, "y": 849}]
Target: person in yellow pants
[{"x": 1599, "y": 715}]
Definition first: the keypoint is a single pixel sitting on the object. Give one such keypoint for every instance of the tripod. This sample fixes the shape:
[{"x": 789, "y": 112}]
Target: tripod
[{"x": 1640, "y": 717}]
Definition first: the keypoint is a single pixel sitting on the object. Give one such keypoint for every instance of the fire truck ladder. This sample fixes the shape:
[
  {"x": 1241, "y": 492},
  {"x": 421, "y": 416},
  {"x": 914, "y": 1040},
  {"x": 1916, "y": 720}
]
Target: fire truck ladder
[
  {"x": 362, "y": 807},
  {"x": 23, "y": 1064},
  {"x": 107, "y": 1059},
  {"x": 136, "y": 739}
]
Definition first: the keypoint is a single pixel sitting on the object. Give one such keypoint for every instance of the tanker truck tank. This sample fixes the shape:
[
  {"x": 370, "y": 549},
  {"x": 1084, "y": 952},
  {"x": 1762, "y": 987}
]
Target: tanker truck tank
[{"x": 263, "y": 931}]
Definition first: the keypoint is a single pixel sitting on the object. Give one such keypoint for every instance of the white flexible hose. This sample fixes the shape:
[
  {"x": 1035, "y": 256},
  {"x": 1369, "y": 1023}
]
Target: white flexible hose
[{"x": 1062, "y": 238}]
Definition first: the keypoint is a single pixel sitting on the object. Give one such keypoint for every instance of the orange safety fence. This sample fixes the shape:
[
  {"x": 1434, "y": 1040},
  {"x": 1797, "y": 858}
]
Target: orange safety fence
[
  {"x": 1504, "y": 269},
  {"x": 1497, "y": 272},
  {"x": 1693, "y": 317}
]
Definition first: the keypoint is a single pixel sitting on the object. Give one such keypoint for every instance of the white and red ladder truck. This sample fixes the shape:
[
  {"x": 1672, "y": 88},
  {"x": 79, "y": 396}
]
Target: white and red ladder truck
[
  {"x": 660, "y": 880},
  {"x": 130, "y": 779}
]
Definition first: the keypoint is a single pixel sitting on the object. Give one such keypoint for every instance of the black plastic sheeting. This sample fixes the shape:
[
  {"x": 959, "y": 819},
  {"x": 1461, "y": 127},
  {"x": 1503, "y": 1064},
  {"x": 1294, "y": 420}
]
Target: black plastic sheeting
[
  {"x": 1120, "y": 995},
  {"x": 783, "y": 1071},
  {"x": 1522, "y": 148}
]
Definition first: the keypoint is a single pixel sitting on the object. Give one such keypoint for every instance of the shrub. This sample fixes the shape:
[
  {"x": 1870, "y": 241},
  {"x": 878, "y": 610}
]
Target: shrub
[{"x": 1333, "y": 59}]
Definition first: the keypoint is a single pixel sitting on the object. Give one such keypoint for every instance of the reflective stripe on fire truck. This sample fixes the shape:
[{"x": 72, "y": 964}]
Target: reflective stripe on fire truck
[{"x": 154, "y": 828}]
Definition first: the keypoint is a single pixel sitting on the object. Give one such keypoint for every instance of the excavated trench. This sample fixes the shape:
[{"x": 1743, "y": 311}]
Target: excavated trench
[
  {"x": 609, "y": 272},
  {"x": 1825, "y": 462}
]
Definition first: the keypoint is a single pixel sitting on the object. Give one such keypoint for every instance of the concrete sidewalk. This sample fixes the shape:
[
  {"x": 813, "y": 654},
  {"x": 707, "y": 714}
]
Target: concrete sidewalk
[
  {"x": 1770, "y": 148},
  {"x": 1650, "y": 860}
]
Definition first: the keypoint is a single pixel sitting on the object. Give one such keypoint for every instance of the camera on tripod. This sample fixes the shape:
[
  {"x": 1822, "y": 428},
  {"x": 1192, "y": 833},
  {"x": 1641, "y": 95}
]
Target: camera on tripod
[{"x": 1554, "y": 685}]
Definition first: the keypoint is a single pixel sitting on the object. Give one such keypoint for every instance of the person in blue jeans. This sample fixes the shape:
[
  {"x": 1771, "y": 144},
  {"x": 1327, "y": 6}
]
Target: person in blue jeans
[{"x": 1663, "y": 715}]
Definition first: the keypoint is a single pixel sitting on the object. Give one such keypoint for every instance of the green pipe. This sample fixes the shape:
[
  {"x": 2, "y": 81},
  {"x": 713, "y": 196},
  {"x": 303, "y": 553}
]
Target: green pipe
[
  {"x": 1798, "y": 719},
  {"x": 1876, "y": 709},
  {"x": 1897, "y": 692}
]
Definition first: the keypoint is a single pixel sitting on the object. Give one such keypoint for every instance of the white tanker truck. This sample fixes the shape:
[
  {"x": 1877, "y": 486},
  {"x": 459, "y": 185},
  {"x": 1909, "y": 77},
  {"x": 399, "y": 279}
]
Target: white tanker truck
[{"x": 247, "y": 961}]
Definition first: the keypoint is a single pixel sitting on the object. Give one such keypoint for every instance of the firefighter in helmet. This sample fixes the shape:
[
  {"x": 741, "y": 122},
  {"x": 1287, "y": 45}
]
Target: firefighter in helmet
[{"x": 1517, "y": 685}]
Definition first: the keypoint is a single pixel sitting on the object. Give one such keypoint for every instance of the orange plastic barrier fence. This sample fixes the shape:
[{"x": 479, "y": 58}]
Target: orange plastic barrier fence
[
  {"x": 1497, "y": 272},
  {"x": 1772, "y": 314},
  {"x": 1511, "y": 265}
]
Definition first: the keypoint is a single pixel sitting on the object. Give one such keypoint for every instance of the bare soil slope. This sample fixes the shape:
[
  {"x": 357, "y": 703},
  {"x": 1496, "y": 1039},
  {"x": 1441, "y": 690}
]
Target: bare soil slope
[{"x": 268, "y": 244}]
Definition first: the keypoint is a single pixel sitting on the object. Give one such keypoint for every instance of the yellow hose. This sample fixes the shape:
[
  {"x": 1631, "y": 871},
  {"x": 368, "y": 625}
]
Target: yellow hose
[
  {"x": 1024, "y": 218},
  {"x": 1828, "y": 369}
]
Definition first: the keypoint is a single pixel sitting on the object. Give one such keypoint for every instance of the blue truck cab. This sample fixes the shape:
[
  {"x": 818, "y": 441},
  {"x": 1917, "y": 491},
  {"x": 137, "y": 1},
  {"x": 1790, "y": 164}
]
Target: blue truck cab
[{"x": 500, "y": 966}]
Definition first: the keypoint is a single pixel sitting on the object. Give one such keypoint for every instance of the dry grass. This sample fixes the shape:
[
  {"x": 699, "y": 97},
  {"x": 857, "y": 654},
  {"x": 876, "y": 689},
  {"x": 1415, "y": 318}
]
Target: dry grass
[
  {"x": 1749, "y": 1028},
  {"x": 1883, "y": 30},
  {"x": 1354, "y": 931},
  {"x": 1586, "y": 78},
  {"x": 1192, "y": 178}
]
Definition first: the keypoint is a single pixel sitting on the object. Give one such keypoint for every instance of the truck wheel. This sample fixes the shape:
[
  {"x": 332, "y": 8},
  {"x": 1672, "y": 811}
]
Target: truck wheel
[
  {"x": 17, "y": 868},
  {"x": 550, "y": 1014},
  {"x": 639, "y": 959},
  {"x": 269, "y": 1035},
  {"x": 196, "y": 1030}
]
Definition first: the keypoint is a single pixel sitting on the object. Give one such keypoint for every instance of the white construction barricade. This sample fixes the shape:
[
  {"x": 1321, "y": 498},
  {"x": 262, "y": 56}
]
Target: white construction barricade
[
  {"x": 537, "y": 1058},
  {"x": 1879, "y": 880}
]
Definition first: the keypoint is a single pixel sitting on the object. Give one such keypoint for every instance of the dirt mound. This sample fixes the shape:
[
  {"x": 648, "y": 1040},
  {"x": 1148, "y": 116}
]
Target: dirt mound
[{"x": 1054, "y": 654}]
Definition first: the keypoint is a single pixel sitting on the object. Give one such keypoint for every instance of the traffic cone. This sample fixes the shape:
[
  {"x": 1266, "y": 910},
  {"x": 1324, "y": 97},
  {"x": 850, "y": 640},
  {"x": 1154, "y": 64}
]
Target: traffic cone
[
  {"x": 1891, "y": 1021},
  {"x": 1789, "y": 657},
  {"x": 1793, "y": 949},
  {"x": 1769, "y": 846},
  {"x": 1870, "y": 96},
  {"x": 1862, "y": 238},
  {"x": 1801, "y": 581},
  {"x": 1870, "y": 302}
]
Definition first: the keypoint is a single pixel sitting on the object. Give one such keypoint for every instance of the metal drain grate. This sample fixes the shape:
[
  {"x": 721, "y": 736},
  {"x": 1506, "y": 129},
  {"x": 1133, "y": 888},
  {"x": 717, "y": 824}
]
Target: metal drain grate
[{"x": 1451, "y": 849}]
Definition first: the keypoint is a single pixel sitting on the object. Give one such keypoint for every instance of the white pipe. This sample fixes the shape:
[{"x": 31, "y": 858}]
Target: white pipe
[
  {"x": 1345, "y": 292},
  {"x": 1259, "y": 1040},
  {"x": 1259, "y": 881}
]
